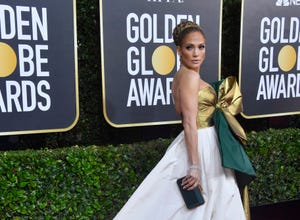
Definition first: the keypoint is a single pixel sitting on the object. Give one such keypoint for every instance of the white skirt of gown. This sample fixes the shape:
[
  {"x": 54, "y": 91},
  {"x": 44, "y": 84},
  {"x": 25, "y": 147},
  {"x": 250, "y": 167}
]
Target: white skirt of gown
[{"x": 158, "y": 196}]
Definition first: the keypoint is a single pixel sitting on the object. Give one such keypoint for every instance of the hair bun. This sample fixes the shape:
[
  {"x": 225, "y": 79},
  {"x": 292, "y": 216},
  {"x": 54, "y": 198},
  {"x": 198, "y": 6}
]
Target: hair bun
[{"x": 182, "y": 29}]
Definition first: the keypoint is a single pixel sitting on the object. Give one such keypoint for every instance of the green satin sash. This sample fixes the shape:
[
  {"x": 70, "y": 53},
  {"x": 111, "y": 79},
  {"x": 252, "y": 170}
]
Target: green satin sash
[{"x": 230, "y": 133}]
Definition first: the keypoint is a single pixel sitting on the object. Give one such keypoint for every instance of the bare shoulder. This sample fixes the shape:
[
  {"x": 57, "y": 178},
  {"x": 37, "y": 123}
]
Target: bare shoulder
[{"x": 190, "y": 79}]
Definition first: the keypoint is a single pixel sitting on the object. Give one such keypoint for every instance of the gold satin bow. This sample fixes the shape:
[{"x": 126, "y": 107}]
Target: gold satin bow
[{"x": 230, "y": 103}]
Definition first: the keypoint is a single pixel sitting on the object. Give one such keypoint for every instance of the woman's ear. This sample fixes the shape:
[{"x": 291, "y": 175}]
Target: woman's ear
[{"x": 179, "y": 50}]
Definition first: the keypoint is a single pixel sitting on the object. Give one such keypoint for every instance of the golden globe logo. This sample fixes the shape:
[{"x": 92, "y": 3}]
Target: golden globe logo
[
  {"x": 23, "y": 44},
  {"x": 146, "y": 87},
  {"x": 159, "y": 57},
  {"x": 8, "y": 60},
  {"x": 279, "y": 58}
]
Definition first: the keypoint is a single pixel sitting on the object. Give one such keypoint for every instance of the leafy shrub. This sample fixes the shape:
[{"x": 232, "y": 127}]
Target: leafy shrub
[
  {"x": 94, "y": 182},
  {"x": 275, "y": 155}
]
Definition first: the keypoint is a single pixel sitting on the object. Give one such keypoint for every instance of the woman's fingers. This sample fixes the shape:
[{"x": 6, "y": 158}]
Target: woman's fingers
[
  {"x": 190, "y": 182},
  {"x": 194, "y": 185}
]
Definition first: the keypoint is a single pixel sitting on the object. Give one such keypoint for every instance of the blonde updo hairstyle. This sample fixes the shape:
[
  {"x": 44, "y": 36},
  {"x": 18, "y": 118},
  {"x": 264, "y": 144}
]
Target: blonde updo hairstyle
[{"x": 183, "y": 29}]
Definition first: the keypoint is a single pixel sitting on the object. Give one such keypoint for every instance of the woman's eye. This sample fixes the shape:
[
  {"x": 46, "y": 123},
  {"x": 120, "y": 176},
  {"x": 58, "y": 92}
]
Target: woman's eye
[
  {"x": 189, "y": 47},
  {"x": 201, "y": 47}
]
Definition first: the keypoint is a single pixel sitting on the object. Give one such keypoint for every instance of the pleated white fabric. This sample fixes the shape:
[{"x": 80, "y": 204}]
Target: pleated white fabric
[{"x": 158, "y": 196}]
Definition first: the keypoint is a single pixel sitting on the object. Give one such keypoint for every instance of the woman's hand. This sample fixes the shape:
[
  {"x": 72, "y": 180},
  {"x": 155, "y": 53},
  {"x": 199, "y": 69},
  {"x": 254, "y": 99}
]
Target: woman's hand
[{"x": 192, "y": 180}]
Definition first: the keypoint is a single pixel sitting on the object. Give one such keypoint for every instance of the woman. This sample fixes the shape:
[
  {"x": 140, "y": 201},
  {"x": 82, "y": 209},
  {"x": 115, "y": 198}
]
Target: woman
[{"x": 194, "y": 153}]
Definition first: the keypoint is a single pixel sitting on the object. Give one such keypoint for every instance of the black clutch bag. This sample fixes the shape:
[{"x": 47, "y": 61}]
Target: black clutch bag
[{"x": 192, "y": 198}]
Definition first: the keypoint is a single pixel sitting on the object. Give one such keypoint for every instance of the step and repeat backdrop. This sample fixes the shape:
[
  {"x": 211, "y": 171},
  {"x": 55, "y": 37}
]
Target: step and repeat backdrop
[
  {"x": 38, "y": 60},
  {"x": 270, "y": 57},
  {"x": 38, "y": 66},
  {"x": 139, "y": 57}
]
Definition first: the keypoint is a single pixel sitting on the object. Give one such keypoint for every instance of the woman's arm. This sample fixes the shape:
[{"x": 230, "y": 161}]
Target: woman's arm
[{"x": 189, "y": 108}]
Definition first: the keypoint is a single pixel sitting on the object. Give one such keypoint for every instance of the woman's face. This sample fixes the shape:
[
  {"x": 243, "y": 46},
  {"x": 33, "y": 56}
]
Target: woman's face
[{"x": 192, "y": 50}]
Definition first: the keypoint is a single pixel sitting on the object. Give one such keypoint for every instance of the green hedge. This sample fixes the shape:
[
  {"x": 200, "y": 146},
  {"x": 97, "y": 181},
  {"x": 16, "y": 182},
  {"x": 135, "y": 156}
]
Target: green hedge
[
  {"x": 276, "y": 158},
  {"x": 94, "y": 182}
]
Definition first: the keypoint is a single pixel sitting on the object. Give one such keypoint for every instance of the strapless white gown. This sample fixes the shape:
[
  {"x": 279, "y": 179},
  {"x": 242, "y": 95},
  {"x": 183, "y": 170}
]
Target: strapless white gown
[{"x": 158, "y": 196}]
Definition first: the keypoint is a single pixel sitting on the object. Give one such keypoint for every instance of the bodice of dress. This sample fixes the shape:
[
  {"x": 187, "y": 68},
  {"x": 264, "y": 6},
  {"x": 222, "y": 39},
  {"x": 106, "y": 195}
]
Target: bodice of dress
[{"x": 206, "y": 106}]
